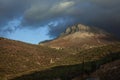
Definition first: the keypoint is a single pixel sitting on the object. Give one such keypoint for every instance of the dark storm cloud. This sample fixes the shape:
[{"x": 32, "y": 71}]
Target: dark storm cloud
[
  {"x": 35, "y": 13},
  {"x": 45, "y": 11},
  {"x": 101, "y": 13},
  {"x": 10, "y": 10},
  {"x": 57, "y": 27}
]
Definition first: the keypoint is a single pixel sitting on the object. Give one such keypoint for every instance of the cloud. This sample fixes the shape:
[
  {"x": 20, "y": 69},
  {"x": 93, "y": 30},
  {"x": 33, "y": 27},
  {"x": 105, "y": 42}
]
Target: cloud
[
  {"x": 62, "y": 14},
  {"x": 42, "y": 13},
  {"x": 10, "y": 10},
  {"x": 64, "y": 5}
]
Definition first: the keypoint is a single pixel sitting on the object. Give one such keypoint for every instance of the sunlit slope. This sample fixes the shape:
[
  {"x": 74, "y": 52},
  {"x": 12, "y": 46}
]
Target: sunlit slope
[
  {"x": 81, "y": 36},
  {"x": 18, "y": 58}
]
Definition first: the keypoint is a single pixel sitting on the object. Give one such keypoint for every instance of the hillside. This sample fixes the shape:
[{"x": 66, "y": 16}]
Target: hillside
[
  {"x": 79, "y": 51},
  {"x": 18, "y": 59},
  {"x": 81, "y": 36},
  {"x": 81, "y": 66},
  {"x": 109, "y": 71}
]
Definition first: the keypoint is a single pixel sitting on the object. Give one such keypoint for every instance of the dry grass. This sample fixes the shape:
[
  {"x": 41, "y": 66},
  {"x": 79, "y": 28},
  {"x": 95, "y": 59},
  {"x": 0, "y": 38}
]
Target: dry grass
[{"x": 18, "y": 58}]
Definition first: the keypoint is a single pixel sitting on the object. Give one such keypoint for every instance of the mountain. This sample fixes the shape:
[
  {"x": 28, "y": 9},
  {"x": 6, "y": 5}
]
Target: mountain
[
  {"x": 81, "y": 36},
  {"x": 81, "y": 50}
]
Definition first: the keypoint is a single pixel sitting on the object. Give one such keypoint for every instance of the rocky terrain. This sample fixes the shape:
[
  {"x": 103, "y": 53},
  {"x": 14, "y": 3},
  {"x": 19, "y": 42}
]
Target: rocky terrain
[{"x": 81, "y": 36}]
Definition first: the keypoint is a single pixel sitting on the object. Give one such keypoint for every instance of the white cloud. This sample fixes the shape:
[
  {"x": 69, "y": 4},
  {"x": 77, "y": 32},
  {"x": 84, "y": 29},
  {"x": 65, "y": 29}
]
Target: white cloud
[{"x": 64, "y": 5}]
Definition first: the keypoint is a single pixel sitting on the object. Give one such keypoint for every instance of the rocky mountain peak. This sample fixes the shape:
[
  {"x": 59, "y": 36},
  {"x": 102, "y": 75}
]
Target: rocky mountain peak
[
  {"x": 81, "y": 36},
  {"x": 83, "y": 29}
]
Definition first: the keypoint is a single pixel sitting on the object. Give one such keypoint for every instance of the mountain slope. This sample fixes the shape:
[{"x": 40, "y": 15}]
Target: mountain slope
[
  {"x": 18, "y": 57},
  {"x": 88, "y": 62},
  {"x": 81, "y": 36}
]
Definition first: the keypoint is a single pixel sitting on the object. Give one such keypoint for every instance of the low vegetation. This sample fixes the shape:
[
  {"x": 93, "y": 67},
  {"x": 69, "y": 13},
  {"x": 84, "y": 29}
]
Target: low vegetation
[
  {"x": 68, "y": 72},
  {"x": 21, "y": 61}
]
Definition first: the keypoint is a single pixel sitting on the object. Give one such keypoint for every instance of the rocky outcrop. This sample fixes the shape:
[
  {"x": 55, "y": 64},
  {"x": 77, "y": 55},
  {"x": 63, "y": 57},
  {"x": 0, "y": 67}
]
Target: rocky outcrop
[{"x": 82, "y": 28}]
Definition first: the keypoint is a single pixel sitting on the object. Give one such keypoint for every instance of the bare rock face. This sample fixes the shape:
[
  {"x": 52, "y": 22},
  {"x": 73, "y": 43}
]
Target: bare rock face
[
  {"x": 81, "y": 36},
  {"x": 83, "y": 29},
  {"x": 68, "y": 30}
]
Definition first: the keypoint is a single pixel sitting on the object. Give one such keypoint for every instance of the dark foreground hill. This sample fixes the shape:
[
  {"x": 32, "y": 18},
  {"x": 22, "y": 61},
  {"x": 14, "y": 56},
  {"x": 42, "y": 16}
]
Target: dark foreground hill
[{"x": 108, "y": 71}]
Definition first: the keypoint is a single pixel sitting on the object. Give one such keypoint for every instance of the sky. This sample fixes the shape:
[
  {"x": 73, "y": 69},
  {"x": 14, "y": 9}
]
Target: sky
[{"x": 33, "y": 21}]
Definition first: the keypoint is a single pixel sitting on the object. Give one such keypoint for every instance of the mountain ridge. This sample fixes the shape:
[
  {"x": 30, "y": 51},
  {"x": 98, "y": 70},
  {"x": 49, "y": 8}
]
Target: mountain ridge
[
  {"x": 18, "y": 59},
  {"x": 81, "y": 36},
  {"x": 82, "y": 28}
]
